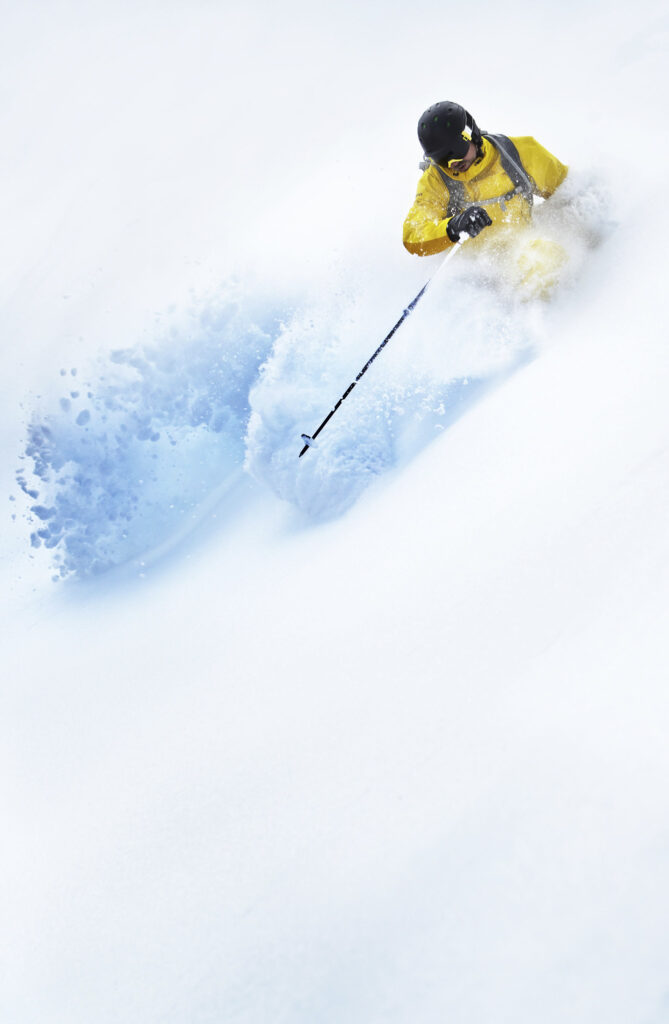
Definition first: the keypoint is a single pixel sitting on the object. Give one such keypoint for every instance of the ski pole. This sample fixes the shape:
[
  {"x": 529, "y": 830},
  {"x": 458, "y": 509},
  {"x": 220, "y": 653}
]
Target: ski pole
[{"x": 310, "y": 438}]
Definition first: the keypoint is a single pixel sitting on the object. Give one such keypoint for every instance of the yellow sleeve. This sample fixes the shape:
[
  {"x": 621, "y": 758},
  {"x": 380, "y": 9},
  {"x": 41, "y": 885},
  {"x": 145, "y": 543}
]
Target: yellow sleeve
[
  {"x": 424, "y": 230},
  {"x": 545, "y": 168}
]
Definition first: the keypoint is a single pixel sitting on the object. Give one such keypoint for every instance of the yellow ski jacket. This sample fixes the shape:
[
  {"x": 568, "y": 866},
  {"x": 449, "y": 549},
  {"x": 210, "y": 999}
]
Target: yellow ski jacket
[{"x": 485, "y": 182}]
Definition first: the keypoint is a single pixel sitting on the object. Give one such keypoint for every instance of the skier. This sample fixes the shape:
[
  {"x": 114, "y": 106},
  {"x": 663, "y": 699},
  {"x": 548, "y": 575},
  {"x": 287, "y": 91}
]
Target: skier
[{"x": 473, "y": 181}]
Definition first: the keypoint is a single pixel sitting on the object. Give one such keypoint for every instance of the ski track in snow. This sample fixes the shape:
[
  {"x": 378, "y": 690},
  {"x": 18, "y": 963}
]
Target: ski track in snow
[{"x": 140, "y": 445}]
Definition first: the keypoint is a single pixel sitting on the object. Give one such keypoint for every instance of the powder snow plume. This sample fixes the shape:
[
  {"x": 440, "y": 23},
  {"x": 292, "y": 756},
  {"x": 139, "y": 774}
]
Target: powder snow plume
[
  {"x": 139, "y": 442},
  {"x": 137, "y": 447}
]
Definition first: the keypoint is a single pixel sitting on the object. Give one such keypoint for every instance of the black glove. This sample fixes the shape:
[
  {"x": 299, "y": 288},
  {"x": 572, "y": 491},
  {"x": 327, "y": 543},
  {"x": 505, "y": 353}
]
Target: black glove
[{"x": 470, "y": 221}]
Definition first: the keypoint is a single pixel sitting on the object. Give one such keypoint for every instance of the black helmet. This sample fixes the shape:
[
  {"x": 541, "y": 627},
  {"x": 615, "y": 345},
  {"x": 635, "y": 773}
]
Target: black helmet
[{"x": 445, "y": 131}]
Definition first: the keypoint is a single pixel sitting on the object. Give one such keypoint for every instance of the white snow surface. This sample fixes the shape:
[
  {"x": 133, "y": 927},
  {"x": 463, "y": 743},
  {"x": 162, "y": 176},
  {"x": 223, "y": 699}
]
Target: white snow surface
[{"x": 379, "y": 734}]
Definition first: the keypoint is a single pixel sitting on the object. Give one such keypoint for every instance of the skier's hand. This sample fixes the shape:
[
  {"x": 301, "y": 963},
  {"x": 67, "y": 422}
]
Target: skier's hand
[{"x": 469, "y": 222}]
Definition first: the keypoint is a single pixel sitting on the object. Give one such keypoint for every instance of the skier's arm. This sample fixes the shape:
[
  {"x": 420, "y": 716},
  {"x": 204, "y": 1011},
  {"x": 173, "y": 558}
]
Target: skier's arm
[
  {"x": 425, "y": 227},
  {"x": 546, "y": 170}
]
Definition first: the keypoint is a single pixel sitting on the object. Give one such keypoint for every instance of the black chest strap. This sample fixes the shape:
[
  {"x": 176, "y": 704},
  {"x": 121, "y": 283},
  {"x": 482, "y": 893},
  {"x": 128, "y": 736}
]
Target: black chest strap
[{"x": 513, "y": 165}]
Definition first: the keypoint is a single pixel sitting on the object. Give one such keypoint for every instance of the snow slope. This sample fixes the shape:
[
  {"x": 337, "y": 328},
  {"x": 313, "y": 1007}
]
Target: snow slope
[{"x": 393, "y": 749}]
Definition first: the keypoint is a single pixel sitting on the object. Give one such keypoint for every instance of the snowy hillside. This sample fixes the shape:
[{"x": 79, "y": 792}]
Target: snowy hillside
[{"x": 378, "y": 734}]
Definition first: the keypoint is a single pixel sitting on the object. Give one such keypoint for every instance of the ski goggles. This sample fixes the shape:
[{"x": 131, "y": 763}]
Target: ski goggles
[{"x": 451, "y": 161}]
